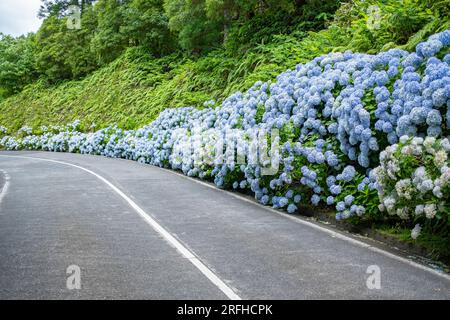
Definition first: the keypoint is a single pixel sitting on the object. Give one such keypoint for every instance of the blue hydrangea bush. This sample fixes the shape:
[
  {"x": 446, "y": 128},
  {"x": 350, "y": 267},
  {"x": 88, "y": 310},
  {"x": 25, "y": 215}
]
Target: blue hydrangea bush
[{"x": 338, "y": 117}]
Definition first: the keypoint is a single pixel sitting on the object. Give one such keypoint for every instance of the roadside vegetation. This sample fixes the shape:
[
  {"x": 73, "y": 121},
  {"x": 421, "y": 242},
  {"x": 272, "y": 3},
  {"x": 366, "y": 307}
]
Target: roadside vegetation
[
  {"x": 362, "y": 109},
  {"x": 103, "y": 73}
]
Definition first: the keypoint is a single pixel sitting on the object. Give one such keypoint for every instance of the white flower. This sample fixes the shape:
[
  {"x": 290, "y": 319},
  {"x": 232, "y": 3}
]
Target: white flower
[
  {"x": 440, "y": 158},
  {"x": 416, "y": 231},
  {"x": 404, "y": 139},
  {"x": 416, "y": 150},
  {"x": 429, "y": 141},
  {"x": 392, "y": 169},
  {"x": 417, "y": 141},
  {"x": 389, "y": 204},
  {"x": 437, "y": 192},
  {"x": 419, "y": 209},
  {"x": 445, "y": 144},
  {"x": 419, "y": 173},
  {"x": 404, "y": 188},
  {"x": 407, "y": 150},
  {"x": 430, "y": 210},
  {"x": 402, "y": 212},
  {"x": 425, "y": 186}
]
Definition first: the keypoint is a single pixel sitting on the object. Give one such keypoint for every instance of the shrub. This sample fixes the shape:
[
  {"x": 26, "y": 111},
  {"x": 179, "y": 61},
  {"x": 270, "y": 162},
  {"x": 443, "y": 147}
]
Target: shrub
[
  {"x": 334, "y": 114},
  {"x": 413, "y": 179}
]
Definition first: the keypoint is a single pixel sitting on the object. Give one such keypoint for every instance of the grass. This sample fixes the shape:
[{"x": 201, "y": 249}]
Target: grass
[
  {"x": 436, "y": 246},
  {"x": 134, "y": 89},
  {"x": 392, "y": 231}
]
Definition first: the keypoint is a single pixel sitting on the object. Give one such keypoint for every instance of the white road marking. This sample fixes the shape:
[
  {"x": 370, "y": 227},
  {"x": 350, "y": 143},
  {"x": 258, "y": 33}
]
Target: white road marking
[
  {"x": 5, "y": 186},
  {"x": 185, "y": 252},
  {"x": 332, "y": 233},
  {"x": 299, "y": 220}
]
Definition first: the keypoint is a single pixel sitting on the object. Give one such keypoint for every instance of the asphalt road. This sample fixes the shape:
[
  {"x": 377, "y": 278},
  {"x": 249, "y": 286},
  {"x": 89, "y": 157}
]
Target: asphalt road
[{"x": 140, "y": 232}]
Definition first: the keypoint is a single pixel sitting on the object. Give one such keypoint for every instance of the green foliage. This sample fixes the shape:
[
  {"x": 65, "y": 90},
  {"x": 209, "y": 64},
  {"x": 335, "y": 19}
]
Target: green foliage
[
  {"x": 434, "y": 242},
  {"x": 260, "y": 113},
  {"x": 63, "y": 53},
  {"x": 391, "y": 23},
  {"x": 284, "y": 18},
  {"x": 131, "y": 59},
  {"x": 57, "y": 53},
  {"x": 127, "y": 24},
  {"x": 16, "y": 63},
  {"x": 147, "y": 26},
  {"x": 109, "y": 42},
  {"x": 195, "y": 32},
  {"x": 146, "y": 77},
  {"x": 59, "y": 8}
]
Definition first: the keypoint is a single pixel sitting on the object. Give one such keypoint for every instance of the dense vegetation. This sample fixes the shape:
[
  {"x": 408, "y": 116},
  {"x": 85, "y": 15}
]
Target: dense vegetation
[
  {"x": 363, "y": 133},
  {"x": 146, "y": 76},
  {"x": 371, "y": 127}
]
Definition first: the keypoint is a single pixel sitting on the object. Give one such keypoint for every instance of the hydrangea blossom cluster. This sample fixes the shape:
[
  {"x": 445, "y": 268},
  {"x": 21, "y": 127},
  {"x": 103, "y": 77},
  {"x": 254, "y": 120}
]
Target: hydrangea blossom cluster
[
  {"x": 413, "y": 179},
  {"x": 3, "y": 130},
  {"x": 333, "y": 114},
  {"x": 25, "y": 130}
]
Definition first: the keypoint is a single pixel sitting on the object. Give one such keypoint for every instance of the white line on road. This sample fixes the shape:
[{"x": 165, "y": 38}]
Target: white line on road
[
  {"x": 316, "y": 226},
  {"x": 5, "y": 186},
  {"x": 295, "y": 219},
  {"x": 185, "y": 252}
]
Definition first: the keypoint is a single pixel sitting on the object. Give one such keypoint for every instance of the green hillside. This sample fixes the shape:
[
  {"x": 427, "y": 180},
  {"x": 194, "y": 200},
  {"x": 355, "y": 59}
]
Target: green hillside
[{"x": 136, "y": 86}]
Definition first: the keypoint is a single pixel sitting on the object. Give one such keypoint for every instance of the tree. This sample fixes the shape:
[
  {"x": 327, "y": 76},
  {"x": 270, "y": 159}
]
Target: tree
[
  {"x": 64, "y": 53},
  {"x": 147, "y": 25},
  {"x": 204, "y": 24},
  {"x": 131, "y": 23},
  {"x": 51, "y": 58},
  {"x": 59, "y": 8},
  {"x": 16, "y": 63},
  {"x": 196, "y": 32},
  {"x": 108, "y": 42}
]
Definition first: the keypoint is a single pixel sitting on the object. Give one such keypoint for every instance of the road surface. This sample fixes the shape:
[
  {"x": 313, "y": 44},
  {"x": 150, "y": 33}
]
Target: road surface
[{"x": 140, "y": 232}]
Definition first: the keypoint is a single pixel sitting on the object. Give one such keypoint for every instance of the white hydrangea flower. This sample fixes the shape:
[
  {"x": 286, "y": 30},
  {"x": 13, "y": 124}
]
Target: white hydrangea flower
[
  {"x": 425, "y": 186},
  {"x": 420, "y": 172},
  {"x": 429, "y": 144},
  {"x": 416, "y": 231},
  {"x": 430, "y": 210},
  {"x": 392, "y": 169},
  {"x": 416, "y": 150},
  {"x": 407, "y": 150},
  {"x": 440, "y": 158},
  {"x": 403, "y": 213},
  {"x": 437, "y": 192},
  {"x": 389, "y": 204},
  {"x": 404, "y": 139},
  {"x": 417, "y": 141},
  {"x": 445, "y": 144},
  {"x": 419, "y": 209},
  {"x": 429, "y": 141},
  {"x": 404, "y": 188}
]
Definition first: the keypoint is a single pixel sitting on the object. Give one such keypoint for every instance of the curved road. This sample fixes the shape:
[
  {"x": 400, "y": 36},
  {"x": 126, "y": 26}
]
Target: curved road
[{"x": 140, "y": 232}]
